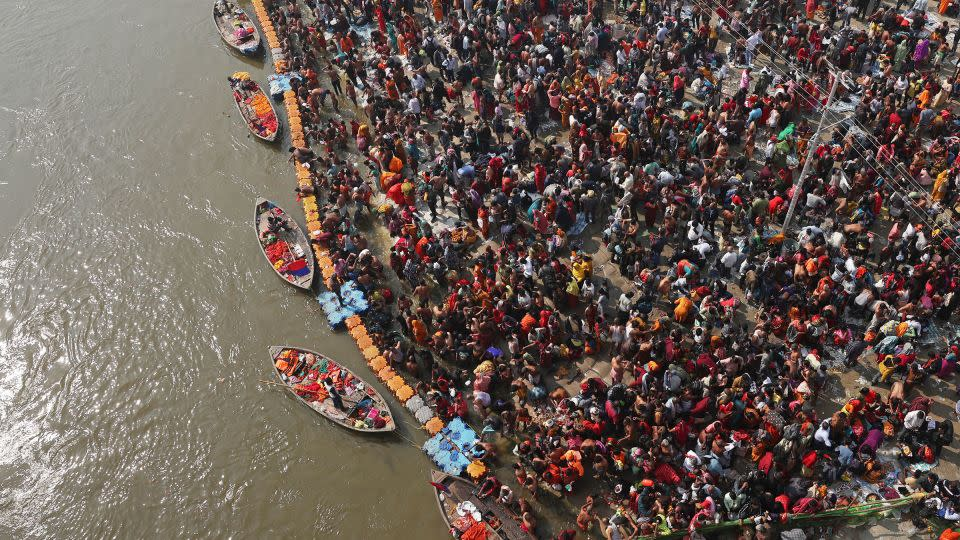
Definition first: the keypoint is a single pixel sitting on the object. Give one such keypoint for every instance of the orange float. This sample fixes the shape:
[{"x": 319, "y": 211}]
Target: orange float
[
  {"x": 434, "y": 425},
  {"x": 358, "y": 331},
  {"x": 378, "y": 363},
  {"x": 395, "y": 383},
  {"x": 404, "y": 393}
]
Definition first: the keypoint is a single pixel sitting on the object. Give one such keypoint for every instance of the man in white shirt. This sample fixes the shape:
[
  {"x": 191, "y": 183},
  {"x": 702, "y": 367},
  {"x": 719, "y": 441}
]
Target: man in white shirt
[
  {"x": 661, "y": 32},
  {"x": 751, "y": 46},
  {"x": 703, "y": 248},
  {"x": 418, "y": 82},
  {"x": 729, "y": 259},
  {"x": 621, "y": 57},
  {"x": 450, "y": 66},
  {"x": 639, "y": 101},
  {"x": 624, "y": 302},
  {"x": 814, "y": 200},
  {"x": 413, "y": 106}
]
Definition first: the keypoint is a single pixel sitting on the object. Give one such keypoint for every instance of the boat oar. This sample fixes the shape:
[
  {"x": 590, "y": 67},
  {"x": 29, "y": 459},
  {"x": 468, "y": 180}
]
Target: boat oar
[{"x": 273, "y": 383}]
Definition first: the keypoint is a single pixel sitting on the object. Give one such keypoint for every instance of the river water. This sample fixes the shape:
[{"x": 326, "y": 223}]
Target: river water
[{"x": 137, "y": 310}]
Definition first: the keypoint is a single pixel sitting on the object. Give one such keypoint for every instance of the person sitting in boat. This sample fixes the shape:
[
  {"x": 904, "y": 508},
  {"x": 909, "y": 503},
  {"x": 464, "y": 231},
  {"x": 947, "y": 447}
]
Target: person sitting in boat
[
  {"x": 243, "y": 33},
  {"x": 488, "y": 487},
  {"x": 276, "y": 223},
  {"x": 243, "y": 87},
  {"x": 506, "y": 497},
  {"x": 334, "y": 394},
  {"x": 379, "y": 422},
  {"x": 268, "y": 238},
  {"x": 221, "y": 8},
  {"x": 256, "y": 125}
]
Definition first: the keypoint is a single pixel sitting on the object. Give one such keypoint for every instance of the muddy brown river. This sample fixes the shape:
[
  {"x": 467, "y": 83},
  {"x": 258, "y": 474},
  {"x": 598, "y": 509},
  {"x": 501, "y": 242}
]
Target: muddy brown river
[{"x": 136, "y": 309}]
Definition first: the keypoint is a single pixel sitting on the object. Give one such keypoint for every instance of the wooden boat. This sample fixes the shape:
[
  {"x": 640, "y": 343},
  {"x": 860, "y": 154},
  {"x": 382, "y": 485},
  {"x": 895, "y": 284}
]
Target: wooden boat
[
  {"x": 236, "y": 28},
  {"x": 285, "y": 242},
  {"x": 255, "y": 107},
  {"x": 499, "y": 521},
  {"x": 364, "y": 408}
]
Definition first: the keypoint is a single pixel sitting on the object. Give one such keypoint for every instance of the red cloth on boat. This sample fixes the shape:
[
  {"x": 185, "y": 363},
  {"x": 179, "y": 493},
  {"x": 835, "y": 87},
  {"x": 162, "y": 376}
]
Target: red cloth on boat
[
  {"x": 298, "y": 264},
  {"x": 276, "y": 250},
  {"x": 309, "y": 390},
  {"x": 270, "y": 123},
  {"x": 464, "y": 523},
  {"x": 477, "y": 532}
]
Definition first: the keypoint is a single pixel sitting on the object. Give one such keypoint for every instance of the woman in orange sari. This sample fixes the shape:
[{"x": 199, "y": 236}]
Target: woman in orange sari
[
  {"x": 483, "y": 222},
  {"x": 419, "y": 330},
  {"x": 392, "y": 92},
  {"x": 939, "y": 190}
]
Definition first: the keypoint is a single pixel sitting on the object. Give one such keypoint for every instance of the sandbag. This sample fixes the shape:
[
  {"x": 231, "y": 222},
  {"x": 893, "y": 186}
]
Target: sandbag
[
  {"x": 423, "y": 414},
  {"x": 414, "y": 404}
]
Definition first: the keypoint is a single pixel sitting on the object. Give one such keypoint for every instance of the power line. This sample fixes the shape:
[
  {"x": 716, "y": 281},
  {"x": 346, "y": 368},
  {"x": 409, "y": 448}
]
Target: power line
[{"x": 799, "y": 87}]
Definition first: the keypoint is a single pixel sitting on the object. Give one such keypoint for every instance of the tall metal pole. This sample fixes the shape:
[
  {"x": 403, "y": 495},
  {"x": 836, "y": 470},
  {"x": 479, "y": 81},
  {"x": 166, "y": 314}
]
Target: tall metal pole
[{"x": 811, "y": 146}]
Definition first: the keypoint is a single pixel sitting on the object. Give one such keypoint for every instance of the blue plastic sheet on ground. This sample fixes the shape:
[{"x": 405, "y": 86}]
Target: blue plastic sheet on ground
[
  {"x": 280, "y": 83},
  {"x": 452, "y": 448},
  {"x": 338, "y": 309}
]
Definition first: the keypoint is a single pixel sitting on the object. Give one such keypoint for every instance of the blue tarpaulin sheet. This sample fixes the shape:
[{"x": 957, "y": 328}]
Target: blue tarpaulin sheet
[
  {"x": 338, "y": 309},
  {"x": 280, "y": 83},
  {"x": 451, "y": 448}
]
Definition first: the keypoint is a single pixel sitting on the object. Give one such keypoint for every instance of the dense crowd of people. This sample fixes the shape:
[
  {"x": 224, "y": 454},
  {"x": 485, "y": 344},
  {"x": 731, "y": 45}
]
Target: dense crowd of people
[{"x": 676, "y": 135}]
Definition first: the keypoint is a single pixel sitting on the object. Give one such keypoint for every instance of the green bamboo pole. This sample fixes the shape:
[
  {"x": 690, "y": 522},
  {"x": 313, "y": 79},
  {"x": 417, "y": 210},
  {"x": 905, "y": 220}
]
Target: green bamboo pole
[{"x": 868, "y": 509}]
